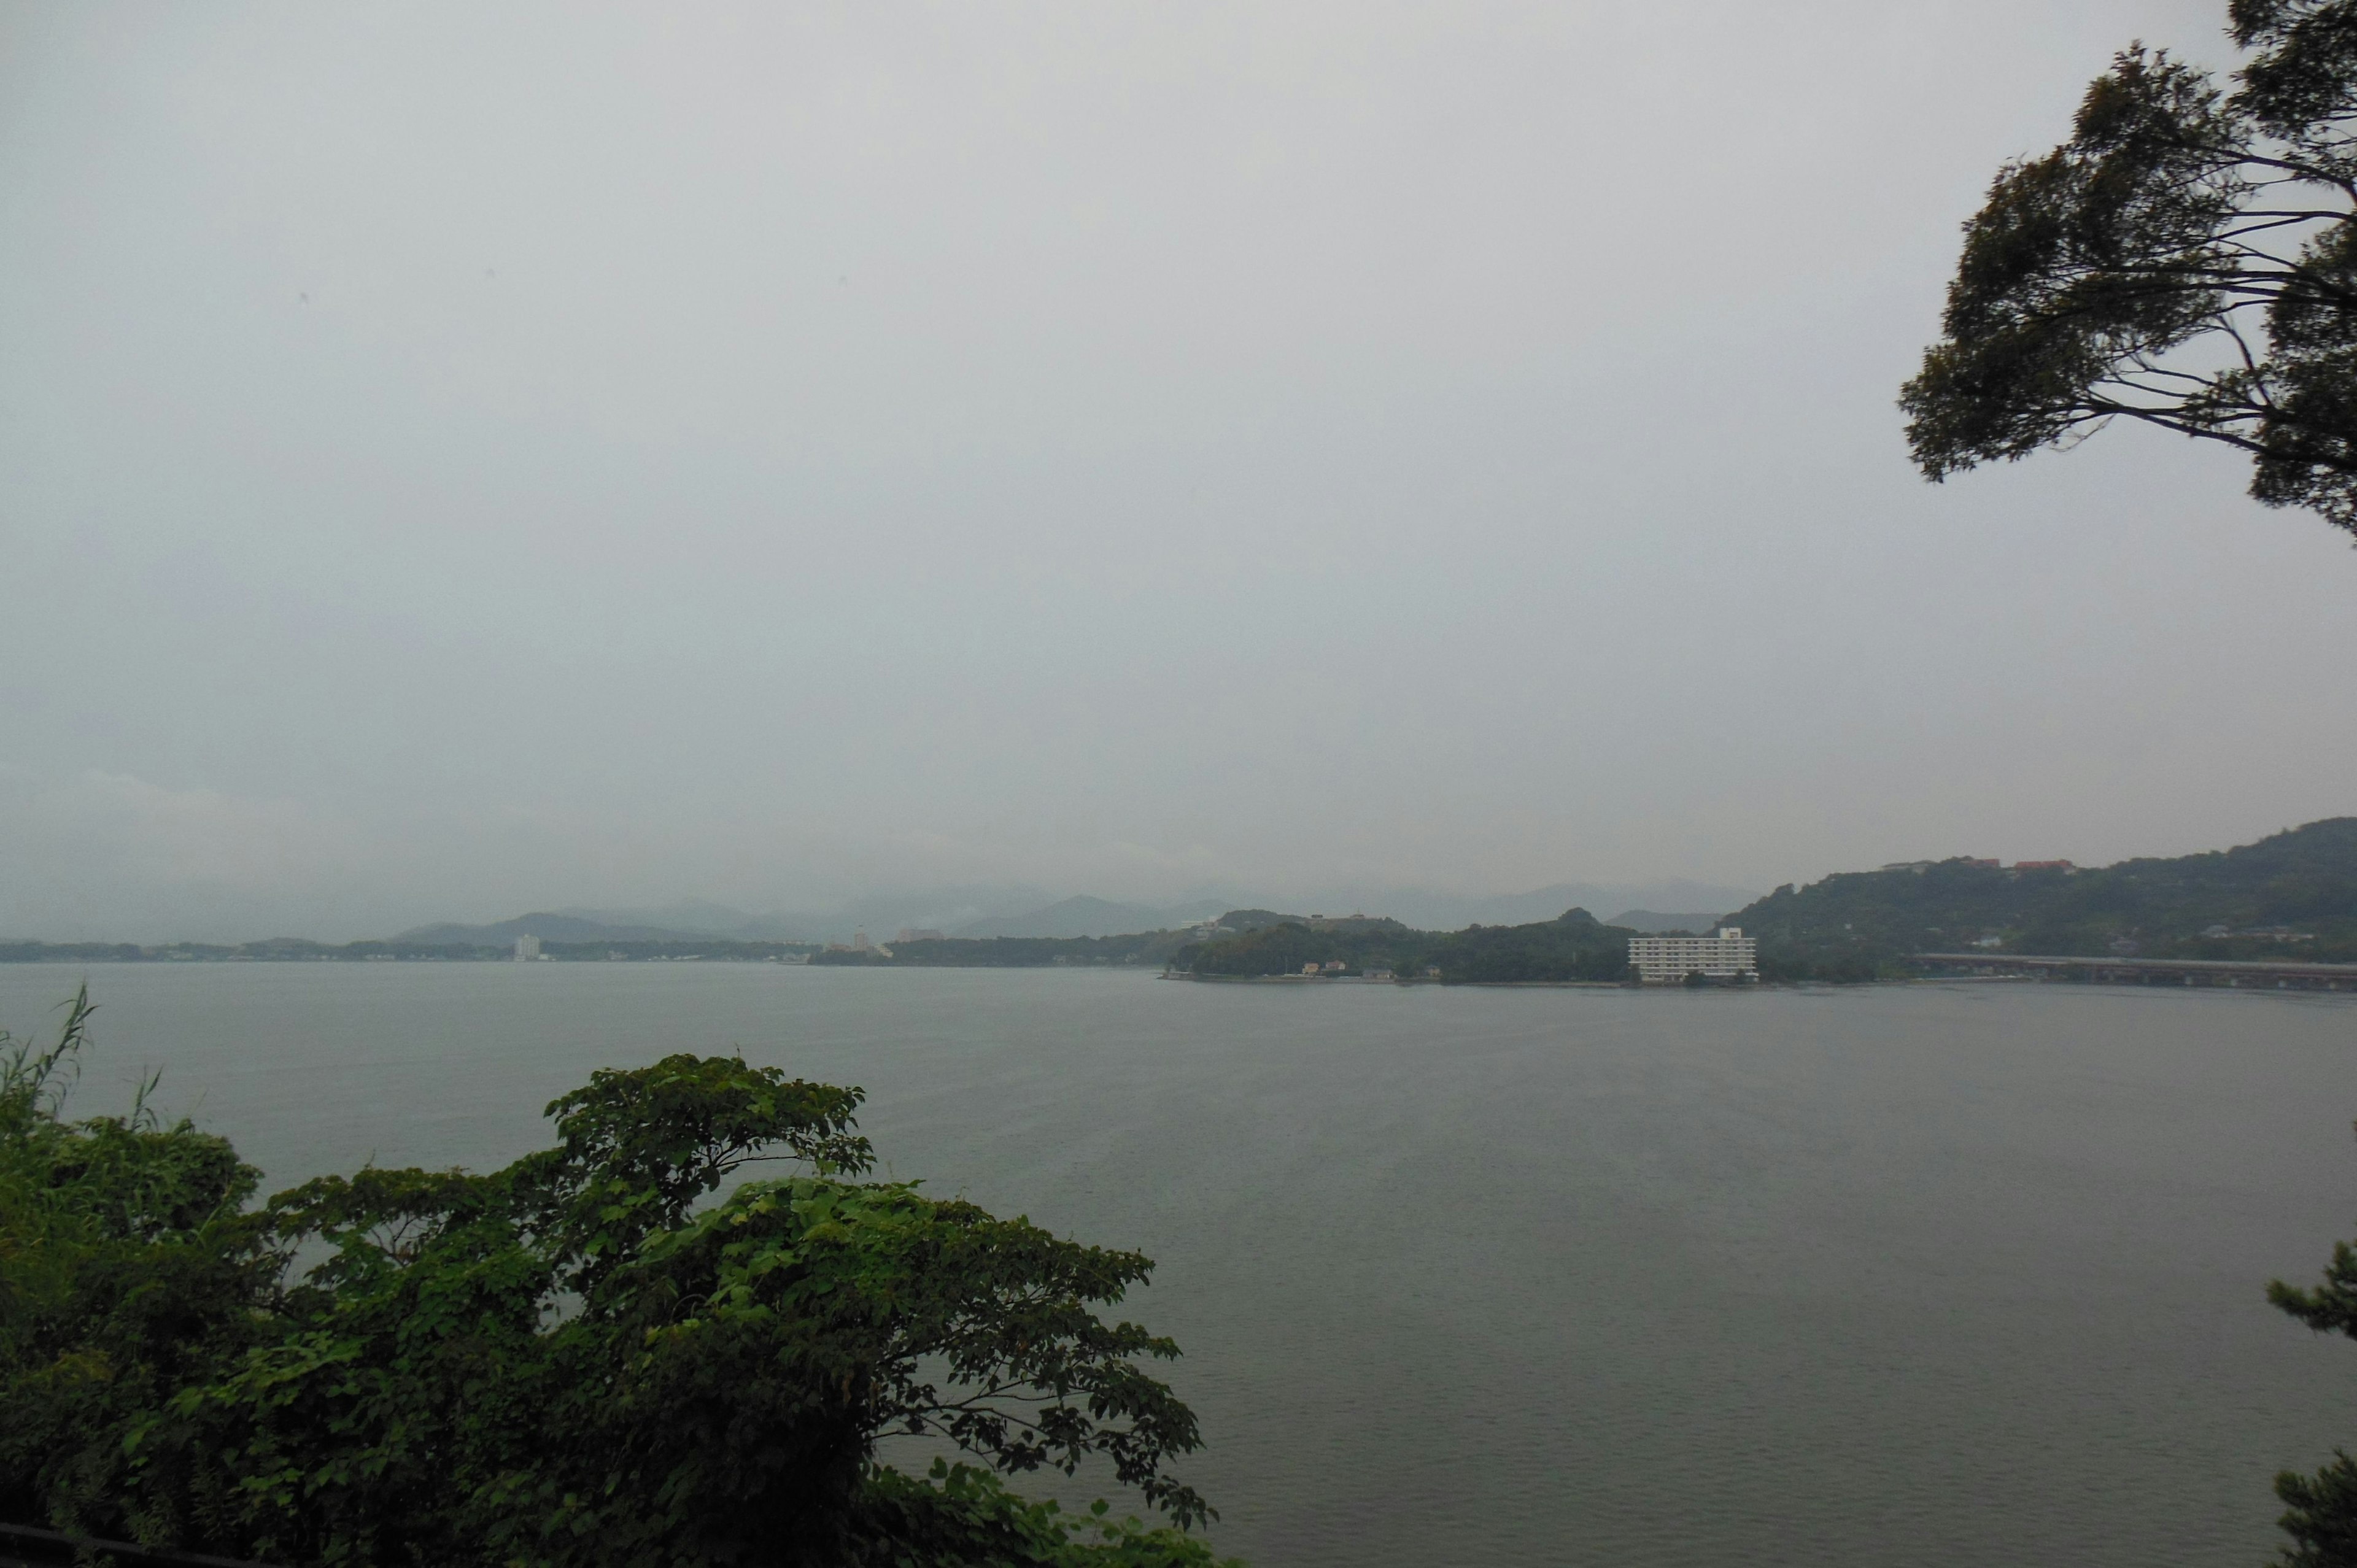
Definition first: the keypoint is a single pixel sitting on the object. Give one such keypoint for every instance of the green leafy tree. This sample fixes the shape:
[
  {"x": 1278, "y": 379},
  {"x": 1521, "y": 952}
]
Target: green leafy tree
[
  {"x": 2187, "y": 259},
  {"x": 129, "y": 1269},
  {"x": 615, "y": 1351}
]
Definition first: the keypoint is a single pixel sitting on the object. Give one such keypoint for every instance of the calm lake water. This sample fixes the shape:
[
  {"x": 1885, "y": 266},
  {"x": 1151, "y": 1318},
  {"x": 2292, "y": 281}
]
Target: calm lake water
[{"x": 1902, "y": 1275}]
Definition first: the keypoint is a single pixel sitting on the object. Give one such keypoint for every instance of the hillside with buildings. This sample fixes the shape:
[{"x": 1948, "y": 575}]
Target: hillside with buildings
[{"x": 2293, "y": 895}]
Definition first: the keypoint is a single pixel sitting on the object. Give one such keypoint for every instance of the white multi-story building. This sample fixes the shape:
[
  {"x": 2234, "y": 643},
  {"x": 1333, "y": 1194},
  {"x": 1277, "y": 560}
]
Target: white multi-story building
[
  {"x": 527, "y": 948},
  {"x": 1667, "y": 961}
]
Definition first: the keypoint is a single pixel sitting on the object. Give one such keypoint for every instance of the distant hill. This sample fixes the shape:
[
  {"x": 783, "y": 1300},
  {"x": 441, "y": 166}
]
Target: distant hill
[
  {"x": 984, "y": 912},
  {"x": 940, "y": 908},
  {"x": 1070, "y": 917},
  {"x": 694, "y": 917},
  {"x": 1128, "y": 949},
  {"x": 1255, "y": 920},
  {"x": 2291, "y": 895},
  {"x": 1087, "y": 917},
  {"x": 1431, "y": 911},
  {"x": 548, "y": 928},
  {"x": 1652, "y": 921}
]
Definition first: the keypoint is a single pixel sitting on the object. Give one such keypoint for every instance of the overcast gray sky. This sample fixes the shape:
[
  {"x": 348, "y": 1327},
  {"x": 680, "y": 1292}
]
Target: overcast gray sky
[{"x": 457, "y": 459}]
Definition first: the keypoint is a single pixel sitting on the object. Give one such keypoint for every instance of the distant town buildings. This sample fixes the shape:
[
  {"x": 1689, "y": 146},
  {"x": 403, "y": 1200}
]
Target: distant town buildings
[
  {"x": 526, "y": 949},
  {"x": 1353, "y": 921},
  {"x": 918, "y": 934},
  {"x": 2263, "y": 933},
  {"x": 1667, "y": 961},
  {"x": 1919, "y": 867}
]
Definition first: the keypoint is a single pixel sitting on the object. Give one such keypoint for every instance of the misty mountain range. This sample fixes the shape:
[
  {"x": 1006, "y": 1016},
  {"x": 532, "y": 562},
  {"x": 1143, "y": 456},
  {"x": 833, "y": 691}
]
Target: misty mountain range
[{"x": 1029, "y": 912}]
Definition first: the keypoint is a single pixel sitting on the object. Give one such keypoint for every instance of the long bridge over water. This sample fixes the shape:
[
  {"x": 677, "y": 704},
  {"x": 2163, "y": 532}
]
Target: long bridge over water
[{"x": 2236, "y": 972}]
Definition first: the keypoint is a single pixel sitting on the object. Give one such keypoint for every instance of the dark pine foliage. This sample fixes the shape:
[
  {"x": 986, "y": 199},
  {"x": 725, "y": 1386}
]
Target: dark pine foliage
[{"x": 2320, "y": 1514}]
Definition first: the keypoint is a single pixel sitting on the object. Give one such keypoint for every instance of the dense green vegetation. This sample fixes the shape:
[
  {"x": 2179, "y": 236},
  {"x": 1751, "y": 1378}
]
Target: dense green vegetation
[
  {"x": 1573, "y": 947},
  {"x": 2291, "y": 895},
  {"x": 611, "y": 1352}
]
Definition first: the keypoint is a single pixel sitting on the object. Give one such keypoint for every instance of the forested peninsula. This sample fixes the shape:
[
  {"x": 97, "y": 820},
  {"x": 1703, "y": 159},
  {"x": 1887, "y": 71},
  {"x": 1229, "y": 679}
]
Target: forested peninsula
[{"x": 1574, "y": 947}]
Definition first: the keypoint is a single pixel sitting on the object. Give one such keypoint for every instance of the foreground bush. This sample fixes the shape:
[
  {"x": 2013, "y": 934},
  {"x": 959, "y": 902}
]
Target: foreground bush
[{"x": 586, "y": 1359}]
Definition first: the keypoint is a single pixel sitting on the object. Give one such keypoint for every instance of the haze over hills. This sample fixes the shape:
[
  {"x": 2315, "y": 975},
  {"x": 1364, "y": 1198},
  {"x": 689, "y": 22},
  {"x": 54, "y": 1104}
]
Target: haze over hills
[
  {"x": 966, "y": 912},
  {"x": 940, "y": 908},
  {"x": 1430, "y": 911},
  {"x": 1653, "y": 921},
  {"x": 1024, "y": 911},
  {"x": 1087, "y": 917},
  {"x": 1419, "y": 908},
  {"x": 2292, "y": 894},
  {"x": 1076, "y": 917},
  {"x": 547, "y": 926}
]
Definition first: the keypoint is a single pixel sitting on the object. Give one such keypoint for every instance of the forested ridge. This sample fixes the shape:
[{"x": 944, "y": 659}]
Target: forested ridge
[{"x": 2293, "y": 895}]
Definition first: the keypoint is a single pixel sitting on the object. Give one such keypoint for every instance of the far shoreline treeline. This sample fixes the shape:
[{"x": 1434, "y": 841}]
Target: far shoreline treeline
[
  {"x": 296, "y": 949},
  {"x": 2290, "y": 897}
]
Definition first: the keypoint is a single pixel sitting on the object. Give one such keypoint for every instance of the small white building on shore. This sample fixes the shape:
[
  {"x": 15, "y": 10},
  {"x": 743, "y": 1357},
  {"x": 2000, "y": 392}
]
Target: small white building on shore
[{"x": 1667, "y": 961}]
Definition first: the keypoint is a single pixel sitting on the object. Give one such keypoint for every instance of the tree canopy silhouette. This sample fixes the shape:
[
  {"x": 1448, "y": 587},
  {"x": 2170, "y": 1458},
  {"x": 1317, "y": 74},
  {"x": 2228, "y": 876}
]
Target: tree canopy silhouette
[
  {"x": 604, "y": 1355},
  {"x": 2187, "y": 259}
]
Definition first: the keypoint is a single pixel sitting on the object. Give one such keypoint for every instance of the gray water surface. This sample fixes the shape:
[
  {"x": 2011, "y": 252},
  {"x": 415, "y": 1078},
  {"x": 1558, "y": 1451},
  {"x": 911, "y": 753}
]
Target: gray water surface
[{"x": 1901, "y": 1276}]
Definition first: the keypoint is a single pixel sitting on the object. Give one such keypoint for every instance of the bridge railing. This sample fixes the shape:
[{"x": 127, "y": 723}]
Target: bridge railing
[{"x": 2333, "y": 975}]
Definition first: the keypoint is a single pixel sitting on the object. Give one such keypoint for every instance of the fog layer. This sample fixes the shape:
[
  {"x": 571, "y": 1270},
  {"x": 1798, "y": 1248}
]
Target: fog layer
[{"x": 455, "y": 460}]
